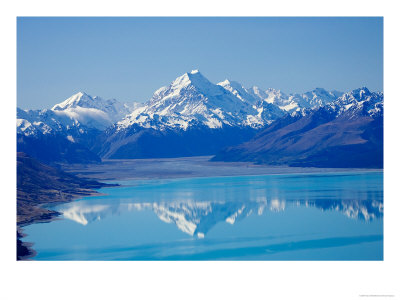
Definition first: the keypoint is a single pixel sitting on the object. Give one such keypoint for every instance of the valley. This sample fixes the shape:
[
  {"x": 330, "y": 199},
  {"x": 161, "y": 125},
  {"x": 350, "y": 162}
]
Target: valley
[
  {"x": 191, "y": 130},
  {"x": 195, "y": 117}
]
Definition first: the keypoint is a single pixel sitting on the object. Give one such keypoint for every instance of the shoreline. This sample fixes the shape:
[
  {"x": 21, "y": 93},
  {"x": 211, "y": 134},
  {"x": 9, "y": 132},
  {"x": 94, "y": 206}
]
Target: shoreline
[
  {"x": 39, "y": 184},
  {"x": 187, "y": 167},
  {"x": 25, "y": 250},
  {"x": 110, "y": 171}
]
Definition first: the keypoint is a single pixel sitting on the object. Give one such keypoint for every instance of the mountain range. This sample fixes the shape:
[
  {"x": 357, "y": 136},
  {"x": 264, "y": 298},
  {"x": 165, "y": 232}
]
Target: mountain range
[
  {"x": 345, "y": 133},
  {"x": 193, "y": 116}
]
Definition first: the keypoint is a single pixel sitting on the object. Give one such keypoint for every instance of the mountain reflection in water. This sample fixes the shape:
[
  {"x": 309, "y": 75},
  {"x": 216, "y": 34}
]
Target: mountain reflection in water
[
  {"x": 324, "y": 216},
  {"x": 197, "y": 218}
]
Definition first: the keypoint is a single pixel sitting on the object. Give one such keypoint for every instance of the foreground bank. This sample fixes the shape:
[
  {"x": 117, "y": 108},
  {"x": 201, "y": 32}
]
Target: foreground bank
[{"x": 39, "y": 185}]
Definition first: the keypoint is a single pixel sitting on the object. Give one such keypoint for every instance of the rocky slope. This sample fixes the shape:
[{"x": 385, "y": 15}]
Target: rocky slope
[
  {"x": 345, "y": 133},
  {"x": 39, "y": 184},
  {"x": 193, "y": 116}
]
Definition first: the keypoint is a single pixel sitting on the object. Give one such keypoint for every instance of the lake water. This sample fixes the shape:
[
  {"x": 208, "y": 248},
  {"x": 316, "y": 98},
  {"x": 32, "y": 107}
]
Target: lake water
[{"x": 332, "y": 216}]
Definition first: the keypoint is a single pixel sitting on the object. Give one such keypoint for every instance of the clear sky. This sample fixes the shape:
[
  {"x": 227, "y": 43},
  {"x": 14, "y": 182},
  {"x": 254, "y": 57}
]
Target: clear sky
[{"x": 129, "y": 58}]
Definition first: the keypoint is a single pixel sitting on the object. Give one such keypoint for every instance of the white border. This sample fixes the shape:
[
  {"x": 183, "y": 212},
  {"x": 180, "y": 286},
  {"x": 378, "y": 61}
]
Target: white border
[{"x": 198, "y": 280}]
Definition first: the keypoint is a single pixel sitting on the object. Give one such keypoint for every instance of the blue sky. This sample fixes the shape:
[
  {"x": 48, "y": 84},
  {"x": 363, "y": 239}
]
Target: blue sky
[{"x": 129, "y": 58}]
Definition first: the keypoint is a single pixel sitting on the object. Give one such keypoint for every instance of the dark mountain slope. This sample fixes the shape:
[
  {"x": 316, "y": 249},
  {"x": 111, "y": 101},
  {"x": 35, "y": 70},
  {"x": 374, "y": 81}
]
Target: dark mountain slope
[
  {"x": 344, "y": 134},
  {"x": 55, "y": 148},
  {"x": 148, "y": 143},
  {"x": 39, "y": 184}
]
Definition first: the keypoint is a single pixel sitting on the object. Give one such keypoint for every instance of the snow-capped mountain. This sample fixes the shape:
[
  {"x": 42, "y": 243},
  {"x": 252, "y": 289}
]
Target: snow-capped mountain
[
  {"x": 345, "y": 133},
  {"x": 288, "y": 103},
  {"x": 267, "y": 111},
  {"x": 240, "y": 91},
  {"x": 94, "y": 111},
  {"x": 359, "y": 102},
  {"x": 46, "y": 121},
  {"x": 192, "y": 100},
  {"x": 66, "y": 132},
  {"x": 314, "y": 99},
  {"x": 295, "y": 102},
  {"x": 191, "y": 116},
  {"x": 79, "y": 111}
]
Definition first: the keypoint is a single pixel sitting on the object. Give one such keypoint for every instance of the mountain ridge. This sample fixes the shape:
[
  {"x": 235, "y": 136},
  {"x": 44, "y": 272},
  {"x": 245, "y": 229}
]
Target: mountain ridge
[
  {"x": 345, "y": 133},
  {"x": 190, "y": 116}
]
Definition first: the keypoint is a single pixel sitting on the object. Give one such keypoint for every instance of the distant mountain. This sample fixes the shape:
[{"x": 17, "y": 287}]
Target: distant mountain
[
  {"x": 267, "y": 112},
  {"x": 288, "y": 103},
  {"x": 193, "y": 116},
  {"x": 66, "y": 132},
  {"x": 315, "y": 98},
  {"x": 78, "y": 111},
  {"x": 191, "y": 100},
  {"x": 94, "y": 112},
  {"x": 345, "y": 133}
]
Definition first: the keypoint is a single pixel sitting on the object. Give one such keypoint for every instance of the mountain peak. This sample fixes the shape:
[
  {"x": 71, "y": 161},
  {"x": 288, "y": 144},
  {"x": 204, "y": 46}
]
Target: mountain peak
[
  {"x": 239, "y": 91},
  {"x": 359, "y": 94},
  {"x": 72, "y": 101},
  {"x": 362, "y": 92},
  {"x": 225, "y": 82},
  {"x": 196, "y": 75},
  {"x": 319, "y": 89},
  {"x": 231, "y": 83},
  {"x": 363, "y": 89},
  {"x": 80, "y": 95},
  {"x": 193, "y": 78}
]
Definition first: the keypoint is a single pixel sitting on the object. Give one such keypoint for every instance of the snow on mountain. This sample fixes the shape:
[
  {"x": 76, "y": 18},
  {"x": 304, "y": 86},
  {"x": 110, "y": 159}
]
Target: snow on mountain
[
  {"x": 271, "y": 102},
  {"x": 267, "y": 111},
  {"x": 347, "y": 132},
  {"x": 84, "y": 106},
  {"x": 78, "y": 111},
  {"x": 33, "y": 122},
  {"x": 192, "y": 99},
  {"x": 359, "y": 101},
  {"x": 294, "y": 102},
  {"x": 315, "y": 98},
  {"x": 281, "y": 100},
  {"x": 239, "y": 91},
  {"x": 275, "y": 97},
  {"x": 278, "y": 100},
  {"x": 93, "y": 112}
]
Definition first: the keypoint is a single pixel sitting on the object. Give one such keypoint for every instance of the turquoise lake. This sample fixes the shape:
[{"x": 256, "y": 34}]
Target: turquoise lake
[{"x": 331, "y": 216}]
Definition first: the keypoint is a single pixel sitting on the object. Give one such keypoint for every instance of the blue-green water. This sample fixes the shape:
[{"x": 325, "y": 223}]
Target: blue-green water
[{"x": 333, "y": 216}]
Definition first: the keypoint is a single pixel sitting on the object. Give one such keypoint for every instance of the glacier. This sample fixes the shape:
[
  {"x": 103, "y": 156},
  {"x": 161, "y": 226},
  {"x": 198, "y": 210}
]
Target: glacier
[{"x": 190, "y": 116}]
